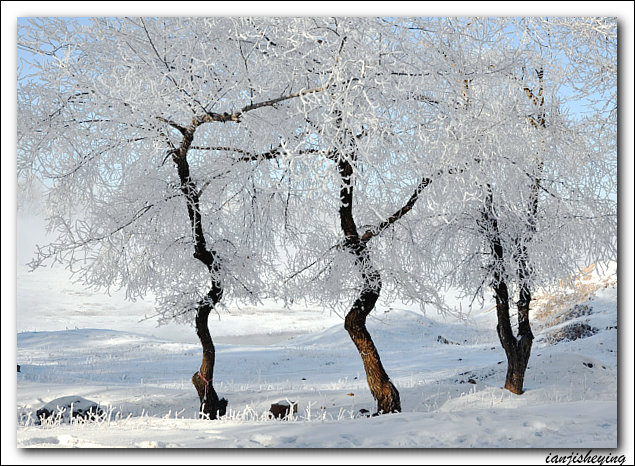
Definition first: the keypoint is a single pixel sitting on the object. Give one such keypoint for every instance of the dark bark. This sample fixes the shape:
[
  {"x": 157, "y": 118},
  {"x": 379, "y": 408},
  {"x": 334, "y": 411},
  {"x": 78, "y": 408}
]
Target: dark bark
[
  {"x": 517, "y": 348},
  {"x": 381, "y": 387},
  {"x": 376, "y": 230},
  {"x": 211, "y": 406}
]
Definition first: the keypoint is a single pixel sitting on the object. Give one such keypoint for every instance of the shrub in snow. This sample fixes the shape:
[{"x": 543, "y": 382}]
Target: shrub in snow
[
  {"x": 571, "y": 332},
  {"x": 580, "y": 310},
  {"x": 68, "y": 407},
  {"x": 445, "y": 341}
]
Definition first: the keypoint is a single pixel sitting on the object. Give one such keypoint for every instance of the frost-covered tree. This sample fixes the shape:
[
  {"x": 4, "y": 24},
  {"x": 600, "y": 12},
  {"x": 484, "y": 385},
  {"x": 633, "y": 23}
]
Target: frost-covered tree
[
  {"x": 149, "y": 134},
  {"x": 534, "y": 194},
  {"x": 375, "y": 133}
]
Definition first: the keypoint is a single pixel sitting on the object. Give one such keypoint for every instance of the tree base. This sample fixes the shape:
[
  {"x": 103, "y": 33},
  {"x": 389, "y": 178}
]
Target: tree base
[
  {"x": 515, "y": 389},
  {"x": 211, "y": 406},
  {"x": 390, "y": 402}
]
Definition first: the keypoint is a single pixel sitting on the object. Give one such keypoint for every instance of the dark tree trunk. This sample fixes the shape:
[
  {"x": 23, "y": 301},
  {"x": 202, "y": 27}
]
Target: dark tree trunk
[
  {"x": 379, "y": 383},
  {"x": 381, "y": 387},
  {"x": 517, "y": 349},
  {"x": 210, "y": 406}
]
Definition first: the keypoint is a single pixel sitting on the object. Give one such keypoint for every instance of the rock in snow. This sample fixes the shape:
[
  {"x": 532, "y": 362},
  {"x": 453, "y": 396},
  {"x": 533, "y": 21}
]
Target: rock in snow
[{"x": 282, "y": 408}]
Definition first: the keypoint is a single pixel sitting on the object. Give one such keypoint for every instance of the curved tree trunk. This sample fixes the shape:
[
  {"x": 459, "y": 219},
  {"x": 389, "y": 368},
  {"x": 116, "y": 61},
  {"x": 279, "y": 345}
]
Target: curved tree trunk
[
  {"x": 379, "y": 383},
  {"x": 381, "y": 387},
  {"x": 211, "y": 406}
]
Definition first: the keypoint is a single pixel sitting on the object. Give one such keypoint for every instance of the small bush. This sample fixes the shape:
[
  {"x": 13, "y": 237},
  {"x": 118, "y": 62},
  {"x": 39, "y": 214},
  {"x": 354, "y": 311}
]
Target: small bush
[{"x": 571, "y": 332}]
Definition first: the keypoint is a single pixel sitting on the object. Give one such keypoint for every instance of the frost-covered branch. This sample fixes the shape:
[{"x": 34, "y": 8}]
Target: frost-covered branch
[{"x": 407, "y": 207}]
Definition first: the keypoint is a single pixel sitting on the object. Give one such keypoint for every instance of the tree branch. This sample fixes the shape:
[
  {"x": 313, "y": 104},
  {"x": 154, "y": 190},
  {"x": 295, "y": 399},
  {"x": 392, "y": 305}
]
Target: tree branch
[
  {"x": 376, "y": 230},
  {"x": 246, "y": 156},
  {"x": 210, "y": 117},
  {"x": 173, "y": 124},
  {"x": 235, "y": 116}
]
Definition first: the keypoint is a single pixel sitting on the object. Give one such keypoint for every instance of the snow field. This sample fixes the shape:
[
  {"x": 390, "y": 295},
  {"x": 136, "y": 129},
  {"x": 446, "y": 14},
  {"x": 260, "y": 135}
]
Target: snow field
[{"x": 143, "y": 382}]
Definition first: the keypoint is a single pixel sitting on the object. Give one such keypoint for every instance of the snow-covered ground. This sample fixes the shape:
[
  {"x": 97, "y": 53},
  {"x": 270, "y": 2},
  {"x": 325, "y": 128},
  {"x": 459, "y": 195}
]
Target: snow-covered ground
[{"x": 73, "y": 341}]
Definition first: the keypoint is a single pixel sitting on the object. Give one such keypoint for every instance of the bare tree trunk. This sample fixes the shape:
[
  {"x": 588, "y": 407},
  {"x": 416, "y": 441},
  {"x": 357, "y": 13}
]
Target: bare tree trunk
[
  {"x": 381, "y": 387},
  {"x": 517, "y": 349},
  {"x": 211, "y": 406},
  {"x": 379, "y": 383}
]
